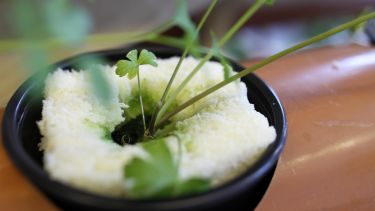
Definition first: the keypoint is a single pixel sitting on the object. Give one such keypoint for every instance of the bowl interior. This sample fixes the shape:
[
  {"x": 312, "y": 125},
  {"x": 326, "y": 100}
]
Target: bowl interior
[{"x": 21, "y": 138}]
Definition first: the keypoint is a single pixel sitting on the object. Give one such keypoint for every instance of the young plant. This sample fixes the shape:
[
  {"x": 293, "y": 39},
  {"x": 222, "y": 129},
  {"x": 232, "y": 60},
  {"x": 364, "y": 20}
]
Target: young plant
[
  {"x": 266, "y": 61},
  {"x": 165, "y": 182},
  {"x": 157, "y": 176},
  {"x": 183, "y": 20},
  {"x": 240, "y": 22},
  {"x": 130, "y": 68}
]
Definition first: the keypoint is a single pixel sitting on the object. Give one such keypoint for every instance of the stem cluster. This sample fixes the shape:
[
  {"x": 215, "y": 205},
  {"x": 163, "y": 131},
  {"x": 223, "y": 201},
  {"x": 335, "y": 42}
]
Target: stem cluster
[{"x": 160, "y": 117}]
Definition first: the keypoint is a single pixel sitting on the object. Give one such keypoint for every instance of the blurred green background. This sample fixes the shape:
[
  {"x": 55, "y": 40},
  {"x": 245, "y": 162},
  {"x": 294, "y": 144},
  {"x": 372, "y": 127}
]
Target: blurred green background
[{"x": 106, "y": 23}]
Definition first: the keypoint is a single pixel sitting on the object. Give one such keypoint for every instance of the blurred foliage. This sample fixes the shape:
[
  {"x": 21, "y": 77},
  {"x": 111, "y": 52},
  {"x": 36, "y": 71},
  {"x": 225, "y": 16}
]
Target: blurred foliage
[
  {"x": 36, "y": 21},
  {"x": 42, "y": 26},
  {"x": 183, "y": 20},
  {"x": 67, "y": 23},
  {"x": 62, "y": 24}
]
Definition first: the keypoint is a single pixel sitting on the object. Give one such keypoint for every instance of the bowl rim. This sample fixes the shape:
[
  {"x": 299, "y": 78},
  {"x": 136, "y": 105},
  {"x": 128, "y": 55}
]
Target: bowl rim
[{"x": 36, "y": 174}]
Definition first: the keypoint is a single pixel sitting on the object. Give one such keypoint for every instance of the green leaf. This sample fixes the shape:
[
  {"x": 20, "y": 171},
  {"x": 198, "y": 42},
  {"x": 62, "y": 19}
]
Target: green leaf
[
  {"x": 133, "y": 70},
  {"x": 153, "y": 176},
  {"x": 100, "y": 85},
  {"x": 132, "y": 55},
  {"x": 182, "y": 17},
  {"x": 157, "y": 176},
  {"x": 124, "y": 67},
  {"x": 98, "y": 82},
  {"x": 36, "y": 59},
  {"x": 70, "y": 24},
  {"x": 183, "y": 20},
  {"x": 26, "y": 20},
  {"x": 147, "y": 57},
  {"x": 131, "y": 67},
  {"x": 191, "y": 186}
]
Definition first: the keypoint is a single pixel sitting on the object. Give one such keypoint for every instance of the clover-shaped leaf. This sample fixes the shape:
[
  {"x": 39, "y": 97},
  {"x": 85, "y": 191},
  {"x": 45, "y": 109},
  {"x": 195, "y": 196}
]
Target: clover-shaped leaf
[
  {"x": 125, "y": 67},
  {"x": 131, "y": 67},
  {"x": 147, "y": 57},
  {"x": 132, "y": 55}
]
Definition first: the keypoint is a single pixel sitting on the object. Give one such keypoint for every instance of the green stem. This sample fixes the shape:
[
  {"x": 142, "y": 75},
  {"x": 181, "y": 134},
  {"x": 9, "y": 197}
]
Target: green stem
[
  {"x": 265, "y": 62},
  {"x": 141, "y": 102},
  {"x": 184, "y": 54},
  {"x": 173, "y": 96},
  {"x": 187, "y": 49},
  {"x": 244, "y": 18}
]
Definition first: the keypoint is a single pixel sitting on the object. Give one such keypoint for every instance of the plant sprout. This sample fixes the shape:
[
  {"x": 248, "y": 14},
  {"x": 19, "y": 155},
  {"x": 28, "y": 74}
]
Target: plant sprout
[
  {"x": 243, "y": 19},
  {"x": 163, "y": 184},
  {"x": 131, "y": 69},
  {"x": 164, "y": 181}
]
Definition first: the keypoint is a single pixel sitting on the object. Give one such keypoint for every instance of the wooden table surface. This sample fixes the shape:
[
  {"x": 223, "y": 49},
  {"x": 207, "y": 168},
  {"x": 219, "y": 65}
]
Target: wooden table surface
[{"x": 329, "y": 159}]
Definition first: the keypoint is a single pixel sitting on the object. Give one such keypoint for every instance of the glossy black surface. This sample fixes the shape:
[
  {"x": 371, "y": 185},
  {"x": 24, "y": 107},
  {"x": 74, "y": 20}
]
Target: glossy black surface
[{"x": 21, "y": 138}]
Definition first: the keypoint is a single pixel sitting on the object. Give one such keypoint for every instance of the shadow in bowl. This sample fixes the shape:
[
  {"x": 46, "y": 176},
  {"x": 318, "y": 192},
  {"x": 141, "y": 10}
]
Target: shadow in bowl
[{"x": 21, "y": 137}]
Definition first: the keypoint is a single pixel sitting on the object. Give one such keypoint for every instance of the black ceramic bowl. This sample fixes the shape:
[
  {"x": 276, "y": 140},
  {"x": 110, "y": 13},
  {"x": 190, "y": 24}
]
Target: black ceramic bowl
[{"x": 21, "y": 137}]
